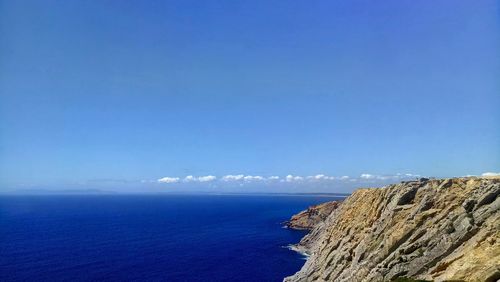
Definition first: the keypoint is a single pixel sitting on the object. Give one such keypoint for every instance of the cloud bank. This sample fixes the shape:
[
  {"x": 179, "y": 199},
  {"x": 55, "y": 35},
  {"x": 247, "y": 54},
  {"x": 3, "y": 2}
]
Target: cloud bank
[
  {"x": 207, "y": 178},
  {"x": 290, "y": 178},
  {"x": 491, "y": 174},
  {"x": 368, "y": 176},
  {"x": 169, "y": 180}
]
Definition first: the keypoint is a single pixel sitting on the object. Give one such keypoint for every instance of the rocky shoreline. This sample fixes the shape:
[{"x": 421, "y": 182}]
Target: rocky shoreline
[
  {"x": 438, "y": 230},
  {"x": 309, "y": 218}
]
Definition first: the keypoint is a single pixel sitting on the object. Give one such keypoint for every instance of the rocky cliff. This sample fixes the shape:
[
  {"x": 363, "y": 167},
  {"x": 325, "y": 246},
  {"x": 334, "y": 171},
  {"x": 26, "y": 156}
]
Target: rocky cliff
[
  {"x": 439, "y": 230},
  {"x": 309, "y": 218}
]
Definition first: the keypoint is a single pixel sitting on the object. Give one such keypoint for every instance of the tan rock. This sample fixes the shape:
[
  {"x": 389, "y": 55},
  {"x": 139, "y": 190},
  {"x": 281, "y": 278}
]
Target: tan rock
[
  {"x": 430, "y": 229},
  {"x": 308, "y": 219}
]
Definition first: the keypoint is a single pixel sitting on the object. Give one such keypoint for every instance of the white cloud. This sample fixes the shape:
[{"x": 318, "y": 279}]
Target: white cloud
[
  {"x": 367, "y": 176},
  {"x": 207, "y": 178},
  {"x": 406, "y": 175},
  {"x": 345, "y": 177},
  {"x": 253, "y": 178},
  {"x": 273, "y": 177},
  {"x": 411, "y": 175},
  {"x": 189, "y": 178},
  {"x": 291, "y": 178},
  {"x": 169, "y": 180},
  {"x": 491, "y": 174},
  {"x": 247, "y": 178},
  {"x": 383, "y": 177},
  {"x": 233, "y": 177},
  {"x": 320, "y": 177}
]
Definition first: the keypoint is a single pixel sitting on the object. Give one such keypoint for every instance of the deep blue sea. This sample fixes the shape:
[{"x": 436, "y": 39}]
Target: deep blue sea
[{"x": 149, "y": 237}]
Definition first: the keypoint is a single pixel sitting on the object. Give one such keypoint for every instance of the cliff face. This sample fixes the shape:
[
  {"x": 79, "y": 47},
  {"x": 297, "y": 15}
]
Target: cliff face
[
  {"x": 431, "y": 229},
  {"x": 309, "y": 218}
]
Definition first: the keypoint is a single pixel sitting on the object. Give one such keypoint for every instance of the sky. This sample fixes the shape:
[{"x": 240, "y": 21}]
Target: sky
[{"x": 197, "y": 95}]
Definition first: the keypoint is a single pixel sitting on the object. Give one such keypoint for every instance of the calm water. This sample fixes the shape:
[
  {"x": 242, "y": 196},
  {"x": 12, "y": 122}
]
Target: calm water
[{"x": 168, "y": 238}]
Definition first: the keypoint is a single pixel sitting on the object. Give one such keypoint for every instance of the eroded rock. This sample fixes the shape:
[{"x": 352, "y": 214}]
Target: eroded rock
[
  {"x": 308, "y": 219},
  {"x": 430, "y": 229}
]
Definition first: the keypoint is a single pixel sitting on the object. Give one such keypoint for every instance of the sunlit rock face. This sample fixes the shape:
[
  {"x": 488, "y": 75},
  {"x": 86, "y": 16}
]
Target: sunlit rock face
[
  {"x": 446, "y": 229},
  {"x": 308, "y": 219}
]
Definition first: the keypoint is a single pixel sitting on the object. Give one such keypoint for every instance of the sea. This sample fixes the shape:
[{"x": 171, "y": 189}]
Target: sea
[{"x": 149, "y": 237}]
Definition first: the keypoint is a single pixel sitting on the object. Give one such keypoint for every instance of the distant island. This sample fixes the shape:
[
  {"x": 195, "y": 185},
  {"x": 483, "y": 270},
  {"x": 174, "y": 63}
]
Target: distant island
[{"x": 429, "y": 229}]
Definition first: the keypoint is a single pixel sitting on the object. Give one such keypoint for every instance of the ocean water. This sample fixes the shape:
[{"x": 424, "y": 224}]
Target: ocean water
[{"x": 149, "y": 237}]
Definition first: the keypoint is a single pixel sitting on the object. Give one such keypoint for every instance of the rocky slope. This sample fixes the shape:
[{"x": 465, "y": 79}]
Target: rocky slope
[
  {"x": 439, "y": 230},
  {"x": 309, "y": 218}
]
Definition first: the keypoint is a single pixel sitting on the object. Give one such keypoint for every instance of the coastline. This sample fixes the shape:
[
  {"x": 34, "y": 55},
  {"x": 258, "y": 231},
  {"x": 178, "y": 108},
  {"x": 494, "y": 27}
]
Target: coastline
[{"x": 429, "y": 229}]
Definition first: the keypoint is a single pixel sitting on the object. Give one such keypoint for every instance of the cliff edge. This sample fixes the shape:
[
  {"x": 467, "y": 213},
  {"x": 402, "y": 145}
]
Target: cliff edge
[
  {"x": 447, "y": 229},
  {"x": 308, "y": 219}
]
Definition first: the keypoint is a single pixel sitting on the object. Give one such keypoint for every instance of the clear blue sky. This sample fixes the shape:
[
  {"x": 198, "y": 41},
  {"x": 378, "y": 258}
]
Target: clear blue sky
[{"x": 133, "y": 91}]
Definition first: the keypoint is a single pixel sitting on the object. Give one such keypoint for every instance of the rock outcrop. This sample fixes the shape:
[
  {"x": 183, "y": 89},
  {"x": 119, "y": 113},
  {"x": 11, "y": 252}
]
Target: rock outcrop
[
  {"x": 308, "y": 219},
  {"x": 439, "y": 230}
]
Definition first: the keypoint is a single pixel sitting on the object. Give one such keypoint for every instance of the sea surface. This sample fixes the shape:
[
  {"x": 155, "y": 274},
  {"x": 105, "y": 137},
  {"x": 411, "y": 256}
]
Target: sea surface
[{"x": 149, "y": 237}]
